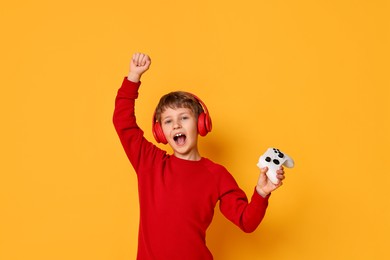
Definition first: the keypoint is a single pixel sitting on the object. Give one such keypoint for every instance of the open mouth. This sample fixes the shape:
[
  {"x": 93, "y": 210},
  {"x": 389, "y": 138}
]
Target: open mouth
[{"x": 179, "y": 139}]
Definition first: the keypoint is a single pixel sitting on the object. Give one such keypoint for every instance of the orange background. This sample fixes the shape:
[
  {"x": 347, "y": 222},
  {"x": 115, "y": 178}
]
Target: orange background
[{"x": 309, "y": 77}]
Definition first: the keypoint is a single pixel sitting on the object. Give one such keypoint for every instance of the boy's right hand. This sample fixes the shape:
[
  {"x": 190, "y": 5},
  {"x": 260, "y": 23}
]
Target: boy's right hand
[{"x": 140, "y": 63}]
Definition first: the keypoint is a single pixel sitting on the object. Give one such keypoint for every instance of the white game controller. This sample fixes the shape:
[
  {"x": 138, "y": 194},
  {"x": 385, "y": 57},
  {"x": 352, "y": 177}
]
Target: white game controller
[{"x": 273, "y": 158}]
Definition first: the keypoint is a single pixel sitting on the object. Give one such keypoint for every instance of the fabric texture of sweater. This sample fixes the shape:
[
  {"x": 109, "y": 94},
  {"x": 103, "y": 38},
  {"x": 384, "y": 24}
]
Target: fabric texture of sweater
[{"x": 177, "y": 197}]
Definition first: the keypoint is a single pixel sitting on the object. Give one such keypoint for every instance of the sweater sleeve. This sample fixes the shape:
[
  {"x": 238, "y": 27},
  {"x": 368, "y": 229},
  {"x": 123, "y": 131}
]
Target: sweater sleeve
[
  {"x": 234, "y": 206},
  {"x": 137, "y": 148}
]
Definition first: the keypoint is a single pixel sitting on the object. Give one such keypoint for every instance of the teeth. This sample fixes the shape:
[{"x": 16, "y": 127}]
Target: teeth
[{"x": 177, "y": 136}]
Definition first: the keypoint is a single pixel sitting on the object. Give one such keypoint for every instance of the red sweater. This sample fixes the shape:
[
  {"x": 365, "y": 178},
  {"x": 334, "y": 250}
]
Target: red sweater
[{"x": 177, "y": 197}]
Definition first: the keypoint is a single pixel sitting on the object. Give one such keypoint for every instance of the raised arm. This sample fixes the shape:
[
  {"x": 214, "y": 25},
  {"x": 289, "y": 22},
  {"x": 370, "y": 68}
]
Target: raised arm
[{"x": 124, "y": 119}]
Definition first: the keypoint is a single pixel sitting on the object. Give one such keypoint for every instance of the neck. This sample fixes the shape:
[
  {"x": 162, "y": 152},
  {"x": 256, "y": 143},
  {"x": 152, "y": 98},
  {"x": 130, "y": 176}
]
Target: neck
[{"x": 192, "y": 156}]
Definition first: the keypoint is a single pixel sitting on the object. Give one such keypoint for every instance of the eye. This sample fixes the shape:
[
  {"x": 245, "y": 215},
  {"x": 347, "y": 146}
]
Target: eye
[
  {"x": 184, "y": 117},
  {"x": 167, "y": 122}
]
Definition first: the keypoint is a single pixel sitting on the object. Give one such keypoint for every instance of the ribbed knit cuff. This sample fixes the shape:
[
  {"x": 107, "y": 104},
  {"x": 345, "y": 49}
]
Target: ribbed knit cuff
[
  {"x": 129, "y": 89},
  {"x": 257, "y": 198},
  {"x": 128, "y": 83}
]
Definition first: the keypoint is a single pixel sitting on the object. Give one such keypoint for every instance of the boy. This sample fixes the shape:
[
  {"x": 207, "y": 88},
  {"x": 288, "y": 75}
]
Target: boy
[{"x": 178, "y": 193}]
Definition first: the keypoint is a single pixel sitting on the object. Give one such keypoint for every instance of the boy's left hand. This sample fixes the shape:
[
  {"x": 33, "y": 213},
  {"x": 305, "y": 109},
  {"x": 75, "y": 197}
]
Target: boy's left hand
[{"x": 265, "y": 186}]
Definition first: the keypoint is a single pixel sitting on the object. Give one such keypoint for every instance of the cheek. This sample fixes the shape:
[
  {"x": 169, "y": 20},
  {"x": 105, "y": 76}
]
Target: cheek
[
  {"x": 194, "y": 128},
  {"x": 165, "y": 129}
]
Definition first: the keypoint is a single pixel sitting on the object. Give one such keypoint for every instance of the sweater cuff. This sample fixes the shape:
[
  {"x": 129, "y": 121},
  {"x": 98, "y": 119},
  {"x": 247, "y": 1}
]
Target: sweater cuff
[
  {"x": 129, "y": 88},
  {"x": 128, "y": 83},
  {"x": 257, "y": 198}
]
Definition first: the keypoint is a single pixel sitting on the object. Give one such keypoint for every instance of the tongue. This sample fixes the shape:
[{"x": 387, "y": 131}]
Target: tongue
[{"x": 181, "y": 140}]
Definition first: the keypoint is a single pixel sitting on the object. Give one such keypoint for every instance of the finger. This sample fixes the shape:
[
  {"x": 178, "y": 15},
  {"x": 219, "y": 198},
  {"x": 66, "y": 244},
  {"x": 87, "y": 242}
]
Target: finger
[
  {"x": 280, "y": 171},
  {"x": 147, "y": 60},
  {"x": 139, "y": 59},
  {"x": 264, "y": 170},
  {"x": 135, "y": 58}
]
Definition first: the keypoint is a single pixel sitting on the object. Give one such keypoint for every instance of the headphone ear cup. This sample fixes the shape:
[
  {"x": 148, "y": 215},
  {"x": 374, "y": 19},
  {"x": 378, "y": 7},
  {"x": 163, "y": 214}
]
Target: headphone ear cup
[
  {"x": 208, "y": 123},
  {"x": 204, "y": 124},
  {"x": 159, "y": 134}
]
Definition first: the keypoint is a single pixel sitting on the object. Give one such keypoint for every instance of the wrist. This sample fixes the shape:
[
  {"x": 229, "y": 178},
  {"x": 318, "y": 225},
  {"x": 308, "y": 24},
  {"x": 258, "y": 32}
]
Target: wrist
[
  {"x": 133, "y": 77},
  {"x": 261, "y": 192}
]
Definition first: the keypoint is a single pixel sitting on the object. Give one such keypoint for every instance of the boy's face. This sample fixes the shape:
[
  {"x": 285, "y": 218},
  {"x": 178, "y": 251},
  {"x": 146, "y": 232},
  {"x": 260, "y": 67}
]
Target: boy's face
[{"x": 180, "y": 127}]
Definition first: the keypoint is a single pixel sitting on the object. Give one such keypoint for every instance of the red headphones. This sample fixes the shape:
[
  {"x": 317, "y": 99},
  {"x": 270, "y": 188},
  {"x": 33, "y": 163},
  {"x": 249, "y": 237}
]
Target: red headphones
[{"x": 204, "y": 123}]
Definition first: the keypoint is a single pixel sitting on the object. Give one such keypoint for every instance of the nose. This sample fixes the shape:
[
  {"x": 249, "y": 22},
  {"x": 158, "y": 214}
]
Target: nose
[{"x": 176, "y": 125}]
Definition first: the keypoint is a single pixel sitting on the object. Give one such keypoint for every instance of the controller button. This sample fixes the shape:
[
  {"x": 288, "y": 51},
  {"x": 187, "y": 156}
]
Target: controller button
[
  {"x": 268, "y": 159},
  {"x": 280, "y": 155},
  {"x": 276, "y": 162}
]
